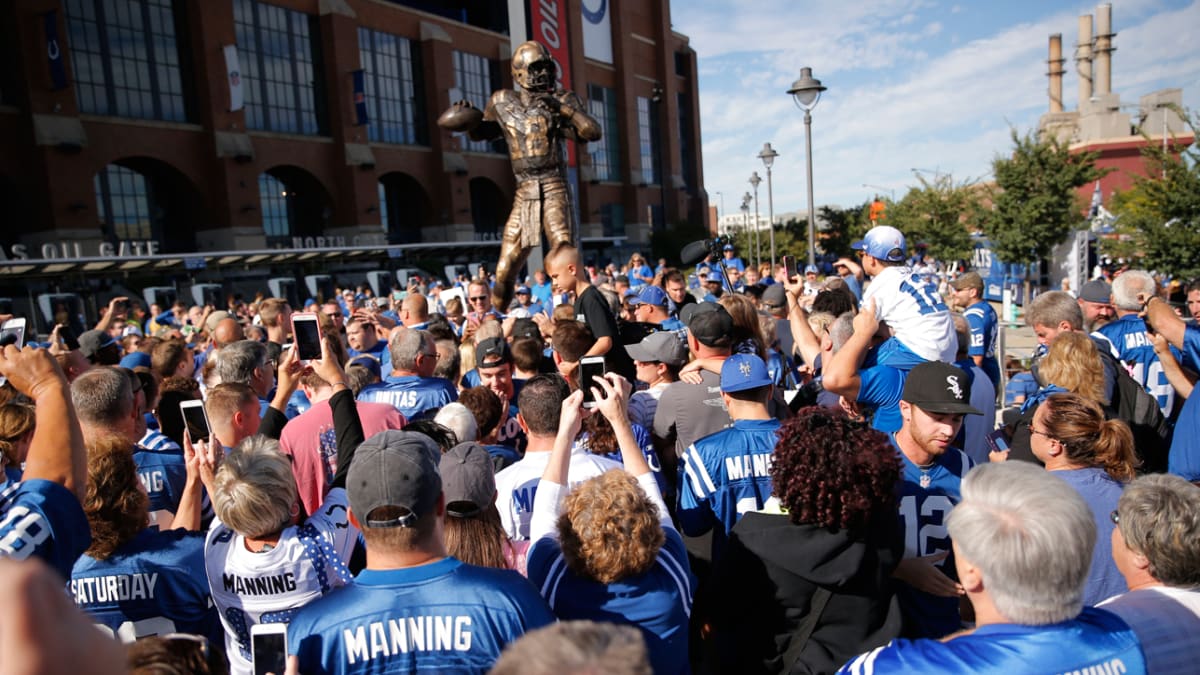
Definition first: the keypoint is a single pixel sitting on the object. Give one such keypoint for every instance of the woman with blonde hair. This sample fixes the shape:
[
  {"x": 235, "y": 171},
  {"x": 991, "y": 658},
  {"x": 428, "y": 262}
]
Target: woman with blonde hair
[
  {"x": 1071, "y": 365},
  {"x": 1095, "y": 456},
  {"x": 606, "y": 549}
]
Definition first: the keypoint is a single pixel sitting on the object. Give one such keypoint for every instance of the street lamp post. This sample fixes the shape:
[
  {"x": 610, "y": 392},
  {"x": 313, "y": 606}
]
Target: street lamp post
[
  {"x": 754, "y": 181},
  {"x": 745, "y": 212},
  {"x": 806, "y": 92},
  {"x": 721, "y": 211},
  {"x": 768, "y": 156}
]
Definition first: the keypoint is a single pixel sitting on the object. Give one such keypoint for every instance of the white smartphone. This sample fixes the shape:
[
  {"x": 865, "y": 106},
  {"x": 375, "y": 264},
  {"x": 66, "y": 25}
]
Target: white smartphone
[
  {"x": 12, "y": 332},
  {"x": 195, "y": 420},
  {"x": 268, "y": 648},
  {"x": 590, "y": 367},
  {"x": 307, "y": 333}
]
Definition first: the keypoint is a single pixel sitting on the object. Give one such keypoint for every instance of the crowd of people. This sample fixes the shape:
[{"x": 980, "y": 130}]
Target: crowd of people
[{"x": 628, "y": 470}]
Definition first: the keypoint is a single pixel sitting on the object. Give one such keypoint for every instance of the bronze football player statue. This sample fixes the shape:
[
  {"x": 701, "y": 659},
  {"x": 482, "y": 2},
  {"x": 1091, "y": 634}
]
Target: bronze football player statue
[{"x": 535, "y": 121}]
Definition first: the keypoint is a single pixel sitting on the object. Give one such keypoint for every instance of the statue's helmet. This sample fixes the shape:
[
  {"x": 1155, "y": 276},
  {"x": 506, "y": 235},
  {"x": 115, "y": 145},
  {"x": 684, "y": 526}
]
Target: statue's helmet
[{"x": 532, "y": 67}]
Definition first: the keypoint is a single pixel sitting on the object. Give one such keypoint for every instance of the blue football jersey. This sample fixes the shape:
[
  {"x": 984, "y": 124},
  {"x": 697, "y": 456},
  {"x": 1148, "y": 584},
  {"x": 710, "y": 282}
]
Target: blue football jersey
[
  {"x": 879, "y": 390},
  {"x": 153, "y": 585},
  {"x": 926, "y": 498},
  {"x": 445, "y": 616},
  {"x": 725, "y": 475},
  {"x": 646, "y": 443},
  {"x": 412, "y": 395},
  {"x": 43, "y": 519},
  {"x": 164, "y": 474},
  {"x": 509, "y": 433},
  {"x": 1135, "y": 348},
  {"x": 984, "y": 326},
  {"x": 1096, "y": 641},
  {"x": 1184, "y": 458}
]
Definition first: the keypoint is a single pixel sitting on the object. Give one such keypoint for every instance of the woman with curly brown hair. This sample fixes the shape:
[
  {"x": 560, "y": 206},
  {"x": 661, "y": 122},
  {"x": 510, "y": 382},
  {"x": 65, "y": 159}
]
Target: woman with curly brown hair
[
  {"x": 135, "y": 580},
  {"x": 606, "y": 549},
  {"x": 804, "y": 585}
]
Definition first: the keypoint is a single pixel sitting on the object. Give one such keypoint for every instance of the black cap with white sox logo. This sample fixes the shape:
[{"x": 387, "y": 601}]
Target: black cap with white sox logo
[{"x": 938, "y": 387}]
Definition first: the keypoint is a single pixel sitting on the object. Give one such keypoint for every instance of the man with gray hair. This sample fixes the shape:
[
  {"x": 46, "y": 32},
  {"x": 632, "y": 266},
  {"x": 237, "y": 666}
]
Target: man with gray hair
[
  {"x": 1131, "y": 343},
  {"x": 246, "y": 362},
  {"x": 1022, "y": 542},
  {"x": 1156, "y": 546},
  {"x": 106, "y": 405},
  {"x": 411, "y": 387}
]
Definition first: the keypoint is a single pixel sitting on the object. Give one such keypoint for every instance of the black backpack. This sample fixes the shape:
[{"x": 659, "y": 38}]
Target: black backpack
[{"x": 1137, "y": 408}]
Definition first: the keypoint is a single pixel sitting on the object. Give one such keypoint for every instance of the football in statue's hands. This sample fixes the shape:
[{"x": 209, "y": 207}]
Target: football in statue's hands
[{"x": 460, "y": 117}]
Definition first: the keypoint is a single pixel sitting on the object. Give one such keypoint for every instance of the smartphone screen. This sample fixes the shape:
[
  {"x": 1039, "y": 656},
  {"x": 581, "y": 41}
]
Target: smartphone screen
[
  {"x": 308, "y": 336},
  {"x": 13, "y": 333},
  {"x": 268, "y": 651},
  {"x": 789, "y": 266},
  {"x": 590, "y": 367},
  {"x": 997, "y": 441},
  {"x": 194, "y": 419}
]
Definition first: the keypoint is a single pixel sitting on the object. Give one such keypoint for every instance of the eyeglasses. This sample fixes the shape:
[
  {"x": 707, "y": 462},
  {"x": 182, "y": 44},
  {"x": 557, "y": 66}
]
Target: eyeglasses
[
  {"x": 1040, "y": 433},
  {"x": 478, "y": 298},
  {"x": 1115, "y": 517}
]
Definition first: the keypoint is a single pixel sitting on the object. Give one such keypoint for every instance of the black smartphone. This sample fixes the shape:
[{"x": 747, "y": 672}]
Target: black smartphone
[
  {"x": 68, "y": 337},
  {"x": 195, "y": 420},
  {"x": 789, "y": 266},
  {"x": 590, "y": 367},
  {"x": 307, "y": 334},
  {"x": 997, "y": 441}
]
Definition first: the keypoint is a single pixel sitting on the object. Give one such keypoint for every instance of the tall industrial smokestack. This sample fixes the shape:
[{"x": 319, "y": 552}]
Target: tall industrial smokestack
[
  {"x": 1083, "y": 60},
  {"x": 1103, "y": 52},
  {"x": 1055, "y": 65}
]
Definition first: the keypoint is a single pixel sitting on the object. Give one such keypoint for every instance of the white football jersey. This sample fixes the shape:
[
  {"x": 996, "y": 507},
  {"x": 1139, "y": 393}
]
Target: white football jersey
[
  {"x": 271, "y": 586},
  {"x": 517, "y": 484},
  {"x": 916, "y": 313}
]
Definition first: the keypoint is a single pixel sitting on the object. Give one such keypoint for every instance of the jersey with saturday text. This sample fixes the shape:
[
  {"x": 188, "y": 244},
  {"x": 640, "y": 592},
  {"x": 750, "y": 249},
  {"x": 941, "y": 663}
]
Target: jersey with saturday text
[
  {"x": 152, "y": 585},
  {"x": 271, "y": 586}
]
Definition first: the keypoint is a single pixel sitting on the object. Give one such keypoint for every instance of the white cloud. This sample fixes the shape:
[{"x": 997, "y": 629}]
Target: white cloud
[{"x": 905, "y": 89}]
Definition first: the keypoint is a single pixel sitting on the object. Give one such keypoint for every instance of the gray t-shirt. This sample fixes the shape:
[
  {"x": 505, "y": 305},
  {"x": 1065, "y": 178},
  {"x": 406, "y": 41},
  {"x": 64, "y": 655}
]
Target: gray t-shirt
[{"x": 690, "y": 411}]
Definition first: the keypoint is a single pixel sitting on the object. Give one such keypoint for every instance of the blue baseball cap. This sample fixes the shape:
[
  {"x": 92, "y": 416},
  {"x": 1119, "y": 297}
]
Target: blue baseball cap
[
  {"x": 135, "y": 360},
  {"x": 523, "y": 290},
  {"x": 728, "y": 247},
  {"x": 650, "y": 295},
  {"x": 811, "y": 268},
  {"x": 744, "y": 371},
  {"x": 884, "y": 242}
]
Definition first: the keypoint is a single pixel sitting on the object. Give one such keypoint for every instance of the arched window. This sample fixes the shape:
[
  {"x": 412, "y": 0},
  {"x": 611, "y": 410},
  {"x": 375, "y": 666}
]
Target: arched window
[
  {"x": 276, "y": 208},
  {"x": 123, "y": 200}
]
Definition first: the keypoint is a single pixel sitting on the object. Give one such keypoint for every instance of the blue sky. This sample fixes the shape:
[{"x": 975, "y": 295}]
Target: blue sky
[{"x": 911, "y": 84}]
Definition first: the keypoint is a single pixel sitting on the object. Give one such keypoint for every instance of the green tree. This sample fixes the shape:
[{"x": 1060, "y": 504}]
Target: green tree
[
  {"x": 1158, "y": 219},
  {"x": 1035, "y": 205},
  {"x": 840, "y": 227},
  {"x": 938, "y": 214}
]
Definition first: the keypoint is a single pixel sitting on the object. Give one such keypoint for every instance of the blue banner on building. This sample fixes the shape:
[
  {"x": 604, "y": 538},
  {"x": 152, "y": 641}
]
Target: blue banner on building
[
  {"x": 54, "y": 56},
  {"x": 360, "y": 99}
]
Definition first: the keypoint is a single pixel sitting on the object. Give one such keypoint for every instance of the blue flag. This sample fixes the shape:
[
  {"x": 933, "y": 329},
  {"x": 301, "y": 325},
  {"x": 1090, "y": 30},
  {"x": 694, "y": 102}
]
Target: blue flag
[
  {"x": 58, "y": 72},
  {"x": 360, "y": 99}
]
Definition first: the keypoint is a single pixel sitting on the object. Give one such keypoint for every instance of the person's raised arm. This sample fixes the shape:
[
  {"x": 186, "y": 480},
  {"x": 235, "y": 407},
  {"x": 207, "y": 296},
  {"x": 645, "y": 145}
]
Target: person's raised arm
[
  {"x": 614, "y": 406},
  {"x": 56, "y": 452},
  {"x": 553, "y": 485},
  {"x": 1176, "y": 376},
  {"x": 346, "y": 422},
  {"x": 841, "y": 375},
  {"x": 111, "y": 312},
  {"x": 200, "y": 469},
  {"x": 1162, "y": 318},
  {"x": 806, "y": 341}
]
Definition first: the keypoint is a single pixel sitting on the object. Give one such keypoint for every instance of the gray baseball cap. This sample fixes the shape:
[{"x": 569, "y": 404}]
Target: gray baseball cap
[
  {"x": 397, "y": 469},
  {"x": 468, "y": 480},
  {"x": 663, "y": 346}
]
